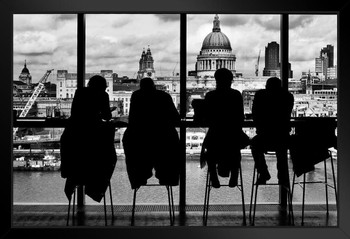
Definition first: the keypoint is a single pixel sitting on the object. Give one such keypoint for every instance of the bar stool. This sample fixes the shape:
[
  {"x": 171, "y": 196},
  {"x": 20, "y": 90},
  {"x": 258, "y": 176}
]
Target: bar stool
[
  {"x": 325, "y": 182},
  {"x": 170, "y": 200},
  {"x": 104, "y": 205},
  {"x": 255, "y": 192},
  {"x": 208, "y": 188}
]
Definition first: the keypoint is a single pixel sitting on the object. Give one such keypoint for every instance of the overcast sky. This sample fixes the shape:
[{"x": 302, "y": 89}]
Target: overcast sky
[{"x": 115, "y": 42}]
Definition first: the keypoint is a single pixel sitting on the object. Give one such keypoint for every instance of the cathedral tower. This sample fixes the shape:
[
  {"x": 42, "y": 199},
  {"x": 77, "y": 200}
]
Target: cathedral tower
[
  {"x": 25, "y": 76},
  {"x": 146, "y": 68}
]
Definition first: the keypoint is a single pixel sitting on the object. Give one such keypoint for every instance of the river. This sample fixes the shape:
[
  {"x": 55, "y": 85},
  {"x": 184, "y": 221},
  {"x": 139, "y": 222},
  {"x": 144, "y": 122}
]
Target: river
[{"x": 34, "y": 187}]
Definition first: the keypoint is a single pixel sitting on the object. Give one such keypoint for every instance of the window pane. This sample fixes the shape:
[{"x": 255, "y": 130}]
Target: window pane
[
  {"x": 124, "y": 48},
  {"x": 43, "y": 43},
  {"x": 36, "y": 163},
  {"x": 248, "y": 45},
  {"x": 313, "y": 55}
]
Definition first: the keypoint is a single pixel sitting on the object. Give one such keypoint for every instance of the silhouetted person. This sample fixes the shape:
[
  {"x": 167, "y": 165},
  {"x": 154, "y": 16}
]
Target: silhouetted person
[
  {"x": 224, "y": 116},
  {"x": 151, "y": 140},
  {"x": 271, "y": 113},
  {"x": 88, "y": 155}
]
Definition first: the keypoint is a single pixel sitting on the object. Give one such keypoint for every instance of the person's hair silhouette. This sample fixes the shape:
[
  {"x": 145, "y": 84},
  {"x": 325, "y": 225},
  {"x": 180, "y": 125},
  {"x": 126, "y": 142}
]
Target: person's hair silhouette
[
  {"x": 147, "y": 84},
  {"x": 271, "y": 112},
  {"x": 223, "y": 78},
  {"x": 97, "y": 83},
  {"x": 224, "y": 116}
]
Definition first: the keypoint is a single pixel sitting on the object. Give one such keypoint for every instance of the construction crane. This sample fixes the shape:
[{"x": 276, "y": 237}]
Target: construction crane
[
  {"x": 257, "y": 65},
  {"x": 33, "y": 97}
]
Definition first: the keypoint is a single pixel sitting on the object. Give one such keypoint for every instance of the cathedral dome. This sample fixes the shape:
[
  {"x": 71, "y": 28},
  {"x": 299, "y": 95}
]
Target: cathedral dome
[{"x": 216, "y": 39}]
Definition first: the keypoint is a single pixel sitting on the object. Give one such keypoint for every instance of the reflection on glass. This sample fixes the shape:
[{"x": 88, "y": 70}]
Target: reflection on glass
[{"x": 313, "y": 55}]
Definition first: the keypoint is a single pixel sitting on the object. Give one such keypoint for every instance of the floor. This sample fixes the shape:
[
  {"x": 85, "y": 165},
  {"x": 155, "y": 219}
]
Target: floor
[{"x": 158, "y": 215}]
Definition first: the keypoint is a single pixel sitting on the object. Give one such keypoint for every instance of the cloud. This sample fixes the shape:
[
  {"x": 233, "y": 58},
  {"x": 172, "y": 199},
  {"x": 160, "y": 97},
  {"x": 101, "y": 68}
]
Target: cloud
[
  {"x": 169, "y": 17},
  {"x": 66, "y": 17},
  {"x": 299, "y": 21},
  {"x": 233, "y": 20},
  {"x": 34, "y": 43},
  {"x": 270, "y": 23}
]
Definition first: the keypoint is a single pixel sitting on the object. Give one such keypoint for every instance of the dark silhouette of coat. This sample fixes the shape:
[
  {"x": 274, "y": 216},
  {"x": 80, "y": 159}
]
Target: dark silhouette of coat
[
  {"x": 271, "y": 113},
  {"x": 88, "y": 155},
  {"x": 151, "y": 140},
  {"x": 224, "y": 116},
  {"x": 311, "y": 142}
]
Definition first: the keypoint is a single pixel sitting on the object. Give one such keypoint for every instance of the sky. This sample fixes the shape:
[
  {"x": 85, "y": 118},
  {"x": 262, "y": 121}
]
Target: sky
[{"x": 116, "y": 41}]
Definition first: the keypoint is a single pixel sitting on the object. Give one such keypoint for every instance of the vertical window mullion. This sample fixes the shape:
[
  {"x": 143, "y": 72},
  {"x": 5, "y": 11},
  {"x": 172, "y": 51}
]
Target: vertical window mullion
[
  {"x": 81, "y": 50},
  {"x": 183, "y": 103},
  {"x": 80, "y": 80},
  {"x": 284, "y": 69},
  {"x": 284, "y": 50}
]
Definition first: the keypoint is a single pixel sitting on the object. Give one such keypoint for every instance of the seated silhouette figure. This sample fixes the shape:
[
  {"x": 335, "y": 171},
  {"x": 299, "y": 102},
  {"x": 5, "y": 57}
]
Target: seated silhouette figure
[
  {"x": 224, "y": 115},
  {"x": 88, "y": 155},
  {"x": 271, "y": 113},
  {"x": 151, "y": 140}
]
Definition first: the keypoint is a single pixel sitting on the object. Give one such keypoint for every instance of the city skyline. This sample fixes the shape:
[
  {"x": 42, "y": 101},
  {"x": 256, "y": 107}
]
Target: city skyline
[{"x": 115, "y": 42}]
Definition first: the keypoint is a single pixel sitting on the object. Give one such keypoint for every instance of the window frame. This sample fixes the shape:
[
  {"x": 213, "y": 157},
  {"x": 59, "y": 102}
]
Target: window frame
[{"x": 341, "y": 8}]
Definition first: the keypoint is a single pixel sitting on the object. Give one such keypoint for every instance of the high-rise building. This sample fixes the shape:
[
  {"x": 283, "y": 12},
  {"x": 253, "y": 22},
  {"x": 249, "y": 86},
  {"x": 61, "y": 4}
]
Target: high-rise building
[
  {"x": 325, "y": 60},
  {"x": 146, "y": 68},
  {"x": 328, "y": 51},
  {"x": 216, "y": 53},
  {"x": 272, "y": 61}
]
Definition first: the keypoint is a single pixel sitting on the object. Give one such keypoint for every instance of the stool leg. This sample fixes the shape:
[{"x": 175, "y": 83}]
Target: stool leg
[
  {"x": 104, "y": 207},
  {"x": 170, "y": 206},
  {"x": 242, "y": 193},
  {"x": 290, "y": 205},
  {"x": 251, "y": 196},
  {"x": 68, "y": 212},
  {"x": 334, "y": 182},
  {"x": 303, "y": 204},
  {"x": 73, "y": 205},
  {"x": 111, "y": 199},
  {"x": 172, "y": 203},
  {"x": 133, "y": 208},
  {"x": 205, "y": 195},
  {"x": 326, "y": 184},
  {"x": 205, "y": 208},
  {"x": 256, "y": 195},
  {"x": 207, "y": 201},
  {"x": 293, "y": 184}
]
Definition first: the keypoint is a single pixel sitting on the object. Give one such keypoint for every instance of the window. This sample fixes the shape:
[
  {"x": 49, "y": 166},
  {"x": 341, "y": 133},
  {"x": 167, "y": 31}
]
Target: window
[
  {"x": 117, "y": 57},
  {"x": 313, "y": 57},
  {"x": 115, "y": 48},
  {"x": 44, "y": 47},
  {"x": 242, "y": 50}
]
